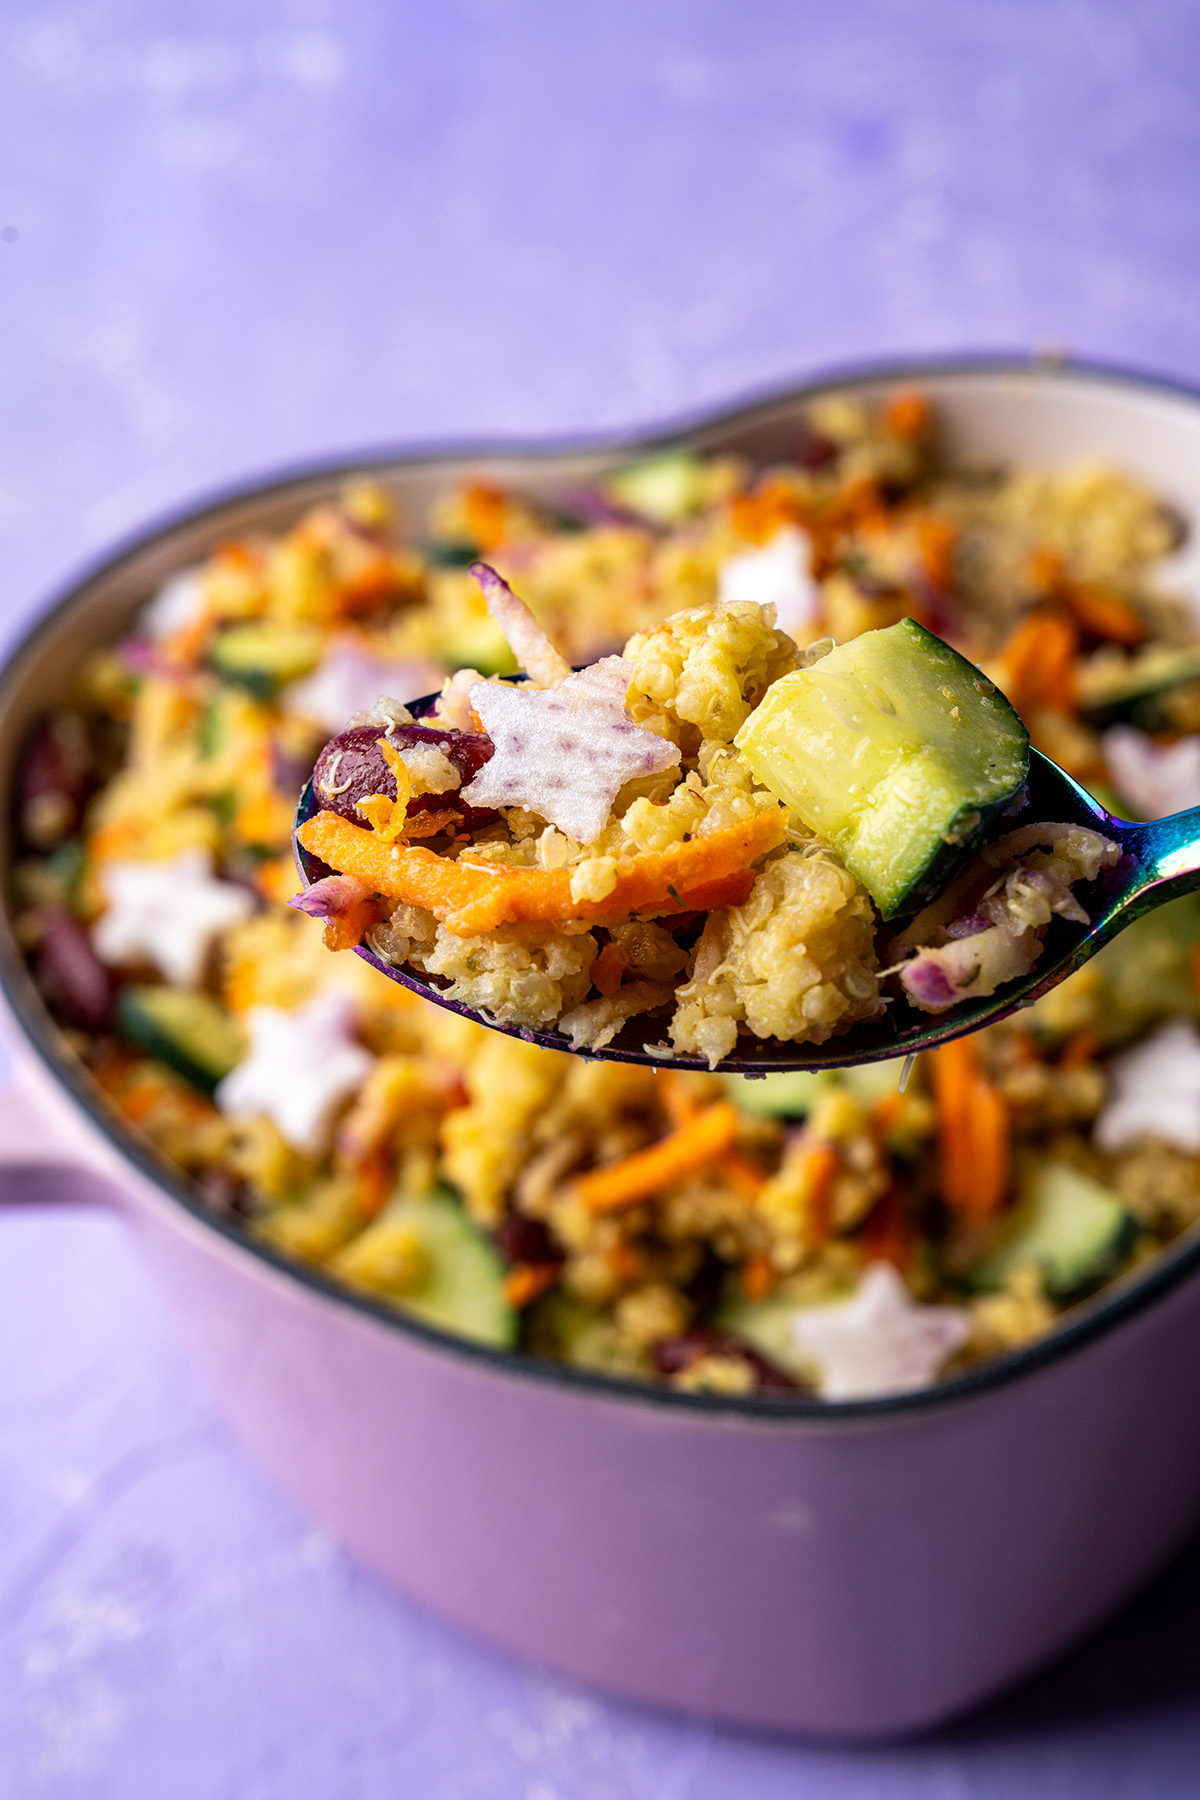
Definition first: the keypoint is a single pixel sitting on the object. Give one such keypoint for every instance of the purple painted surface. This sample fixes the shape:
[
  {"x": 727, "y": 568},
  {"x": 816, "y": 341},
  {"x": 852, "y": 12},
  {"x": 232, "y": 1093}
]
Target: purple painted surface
[{"x": 232, "y": 238}]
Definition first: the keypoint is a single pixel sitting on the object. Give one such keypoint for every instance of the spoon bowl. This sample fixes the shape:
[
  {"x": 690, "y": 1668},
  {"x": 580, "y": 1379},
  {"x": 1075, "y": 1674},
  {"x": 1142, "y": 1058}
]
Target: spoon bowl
[{"x": 1159, "y": 861}]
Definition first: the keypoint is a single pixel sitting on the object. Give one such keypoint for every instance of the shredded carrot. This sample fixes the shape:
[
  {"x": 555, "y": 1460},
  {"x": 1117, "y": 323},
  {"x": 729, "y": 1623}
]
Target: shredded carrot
[
  {"x": 886, "y": 1111},
  {"x": 1080, "y": 1050},
  {"x": 973, "y": 1132},
  {"x": 527, "y": 1281},
  {"x": 607, "y": 970},
  {"x": 818, "y": 1175},
  {"x": 1039, "y": 663},
  {"x": 374, "y": 1178},
  {"x": 743, "y": 1174},
  {"x": 1094, "y": 608},
  {"x": 888, "y": 1234},
  {"x": 906, "y": 415},
  {"x": 758, "y": 516},
  {"x": 936, "y": 539},
  {"x": 471, "y": 898},
  {"x": 486, "y": 513},
  {"x": 1104, "y": 614},
  {"x": 646, "y": 1172},
  {"x": 428, "y": 824},
  {"x": 678, "y": 1097},
  {"x": 345, "y": 931},
  {"x": 759, "y": 1276}
]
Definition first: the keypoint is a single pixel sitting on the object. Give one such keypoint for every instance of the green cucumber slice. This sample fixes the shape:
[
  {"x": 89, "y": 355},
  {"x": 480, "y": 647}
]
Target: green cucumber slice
[
  {"x": 188, "y": 1031},
  {"x": 767, "y": 1326},
  {"x": 1072, "y": 1229},
  {"x": 266, "y": 655},
  {"x": 664, "y": 488},
  {"x": 464, "y": 1289},
  {"x": 793, "y": 1093},
  {"x": 1112, "y": 687},
  {"x": 895, "y": 750}
]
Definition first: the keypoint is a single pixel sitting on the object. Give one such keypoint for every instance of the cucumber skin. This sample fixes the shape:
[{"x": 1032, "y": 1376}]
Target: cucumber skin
[
  {"x": 265, "y": 676},
  {"x": 1031, "y": 1237},
  {"x": 473, "y": 1308},
  {"x": 960, "y": 833},
  {"x": 141, "y": 1021}
]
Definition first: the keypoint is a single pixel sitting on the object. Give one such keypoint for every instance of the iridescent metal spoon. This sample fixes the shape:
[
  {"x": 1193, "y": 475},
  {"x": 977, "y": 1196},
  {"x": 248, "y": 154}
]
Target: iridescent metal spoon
[{"x": 1159, "y": 861}]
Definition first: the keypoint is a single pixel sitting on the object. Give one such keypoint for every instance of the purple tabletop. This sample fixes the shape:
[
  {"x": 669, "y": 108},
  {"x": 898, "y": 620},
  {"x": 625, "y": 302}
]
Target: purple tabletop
[{"x": 232, "y": 238}]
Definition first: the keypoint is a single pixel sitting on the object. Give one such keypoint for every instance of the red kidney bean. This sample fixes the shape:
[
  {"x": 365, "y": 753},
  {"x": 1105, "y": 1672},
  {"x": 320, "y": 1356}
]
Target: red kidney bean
[
  {"x": 57, "y": 774},
  {"x": 522, "y": 1240},
  {"x": 675, "y": 1355},
  {"x": 353, "y": 766},
  {"x": 70, "y": 974}
]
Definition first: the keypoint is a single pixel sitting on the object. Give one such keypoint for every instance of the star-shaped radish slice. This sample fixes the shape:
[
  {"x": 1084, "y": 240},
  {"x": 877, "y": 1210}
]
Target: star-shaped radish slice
[
  {"x": 303, "y": 1063},
  {"x": 880, "y": 1341},
  {"x": 565, "y": 752},
  {"x": 1154, "y": 1092},
  {"x": 167, "y": 913}
]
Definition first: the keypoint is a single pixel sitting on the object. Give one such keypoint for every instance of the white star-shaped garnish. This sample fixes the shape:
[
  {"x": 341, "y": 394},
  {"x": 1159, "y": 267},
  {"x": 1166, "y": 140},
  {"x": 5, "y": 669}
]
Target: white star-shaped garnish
[
  {"x": 778, "y": 575},
  {"x": 565, "y": 752},
  {"x": 303, "y": 1063},
  {"x": 350, "y": 681},
  {"x": 880, "y": 1341},
  {"x": 166, "y": 912},
  {"x": 1155, "y": 1092},
  {"x": 179, "y": 602},
  {"x": 1157, "y": 779}
]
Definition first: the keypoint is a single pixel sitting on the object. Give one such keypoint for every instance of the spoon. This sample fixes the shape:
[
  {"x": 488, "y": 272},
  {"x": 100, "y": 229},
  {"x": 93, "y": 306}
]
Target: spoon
[{"x": 1159, "y": 861}]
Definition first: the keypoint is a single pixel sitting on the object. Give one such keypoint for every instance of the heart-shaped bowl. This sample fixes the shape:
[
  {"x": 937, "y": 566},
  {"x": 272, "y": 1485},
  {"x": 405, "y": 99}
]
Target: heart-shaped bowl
[{"x": 854, "y": 1569}]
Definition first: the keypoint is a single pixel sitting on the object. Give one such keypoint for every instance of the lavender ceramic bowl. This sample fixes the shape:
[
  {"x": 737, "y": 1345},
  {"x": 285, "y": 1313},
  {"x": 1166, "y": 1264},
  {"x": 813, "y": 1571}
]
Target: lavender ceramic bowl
[{"x": 855, "y": 1570}]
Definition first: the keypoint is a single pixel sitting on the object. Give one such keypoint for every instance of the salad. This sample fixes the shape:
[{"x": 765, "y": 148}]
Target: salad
[
  {"x": 815, "y": 1234},
  {"x": 730, "y": 860}
]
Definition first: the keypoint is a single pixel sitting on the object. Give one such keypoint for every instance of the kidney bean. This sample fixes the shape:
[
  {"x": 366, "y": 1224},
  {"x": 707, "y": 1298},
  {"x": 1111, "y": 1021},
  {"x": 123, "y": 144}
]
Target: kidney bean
[
  {"x": 522, "y": 1240},
  {"x": 675, "y": 1355},
  {"x": 56, "y": 777},
  {"x": 70, "y": 974},
  {"x": 353, "y": 766}
]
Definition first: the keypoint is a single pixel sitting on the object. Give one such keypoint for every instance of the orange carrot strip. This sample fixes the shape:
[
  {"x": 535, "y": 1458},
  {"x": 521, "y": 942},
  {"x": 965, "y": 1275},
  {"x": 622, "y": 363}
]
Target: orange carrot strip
[
  {"x": 1103, "y": 613},
  {"x": 973, "y": 1131},
  {"x": 819, "y": 1174},
  {"x": 1039, "y": 663},
  {"x": 759, "y": 1277},
  {"x": 990, "y": 1150},
  {"x": 472, "y": 898},
  {"x": 743, "y": 1175},
  {"x": 1081, "y": 1049},
  {"x": 953, "y": 1068},
  {"x": 906, "y": 415},
  {"x": 690, "y": 1147},
  {"x": 527, "y": 1281},
  {"x": 888, "y": 1234},
  {"x": 345, "y": 931},
  {"x": 608, "y": 969}
]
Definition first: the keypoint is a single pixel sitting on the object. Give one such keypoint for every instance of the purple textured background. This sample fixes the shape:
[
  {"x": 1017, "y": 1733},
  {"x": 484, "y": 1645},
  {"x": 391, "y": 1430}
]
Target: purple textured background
[{"x": 232, "y": 237}]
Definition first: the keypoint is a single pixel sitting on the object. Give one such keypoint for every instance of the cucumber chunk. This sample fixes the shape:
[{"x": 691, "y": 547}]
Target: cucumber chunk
[
  {"x": 463, "y": 1289},
  {"x": 767, "y": 1326},
  {"x": 266, "y": 655},
  {"x": 793, "y": 1093},
  {"x": 1112, "y": 687},
  {"x": 188, "y": 1031},
  {"x": 897, "y": 751},
  {"x": 1070, "y": 1228},
  {"x": 664, "y": 488}
]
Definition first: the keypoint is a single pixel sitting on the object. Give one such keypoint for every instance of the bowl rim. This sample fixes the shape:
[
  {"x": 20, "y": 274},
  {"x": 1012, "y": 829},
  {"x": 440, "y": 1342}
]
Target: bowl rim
[{"x": 1122, "y": 1300}]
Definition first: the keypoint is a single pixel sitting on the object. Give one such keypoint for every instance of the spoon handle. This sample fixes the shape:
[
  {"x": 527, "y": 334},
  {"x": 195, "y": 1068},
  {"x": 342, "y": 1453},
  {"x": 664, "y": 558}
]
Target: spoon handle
[{"x": 1161, "y": 861}]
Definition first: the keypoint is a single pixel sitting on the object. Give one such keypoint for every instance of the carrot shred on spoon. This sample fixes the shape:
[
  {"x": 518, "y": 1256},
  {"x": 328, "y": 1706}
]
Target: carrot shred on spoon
[{"x": 471, "y": 898}]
